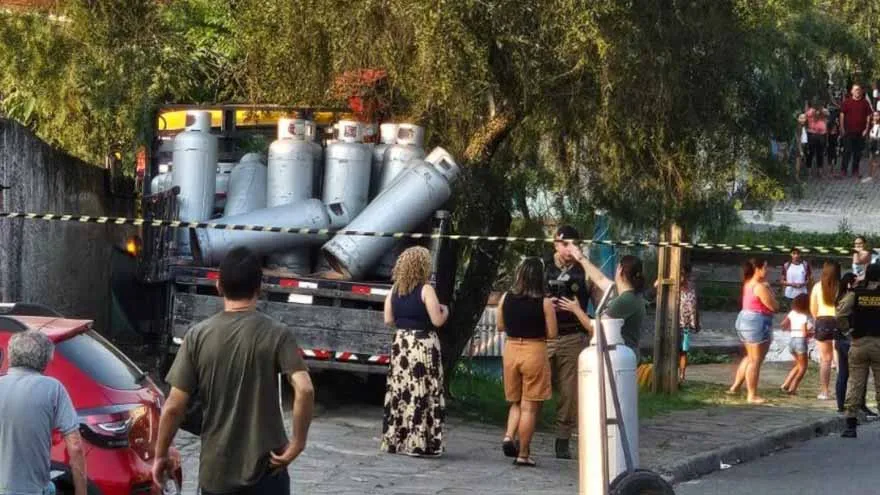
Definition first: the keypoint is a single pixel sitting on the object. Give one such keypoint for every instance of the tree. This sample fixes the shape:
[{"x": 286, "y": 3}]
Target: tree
[
  {"x": 88, "y": 78},
  {"x": 476, "y": 73},
  {"x": 649, "y": 109}
]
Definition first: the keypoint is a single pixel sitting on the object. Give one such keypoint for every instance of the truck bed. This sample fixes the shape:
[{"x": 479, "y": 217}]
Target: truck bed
[{"x": 338, "y": 324}]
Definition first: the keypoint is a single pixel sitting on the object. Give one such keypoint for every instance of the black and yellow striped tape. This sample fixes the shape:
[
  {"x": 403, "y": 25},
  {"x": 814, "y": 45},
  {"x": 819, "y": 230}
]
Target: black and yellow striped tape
[{"x": 749, "y": 248}]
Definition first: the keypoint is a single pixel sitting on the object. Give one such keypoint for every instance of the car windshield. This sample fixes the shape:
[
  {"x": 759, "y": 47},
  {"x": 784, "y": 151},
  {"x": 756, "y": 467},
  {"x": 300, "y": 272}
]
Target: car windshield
[{"x": 99, "y": 359}]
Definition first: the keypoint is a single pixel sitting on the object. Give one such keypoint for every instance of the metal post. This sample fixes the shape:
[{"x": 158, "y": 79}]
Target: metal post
[{"x": 603, "y": 413}]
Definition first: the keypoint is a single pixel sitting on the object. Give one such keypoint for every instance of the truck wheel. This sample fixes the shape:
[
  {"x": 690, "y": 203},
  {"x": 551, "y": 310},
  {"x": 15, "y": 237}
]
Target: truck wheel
[{"x": 641, "y": 482}]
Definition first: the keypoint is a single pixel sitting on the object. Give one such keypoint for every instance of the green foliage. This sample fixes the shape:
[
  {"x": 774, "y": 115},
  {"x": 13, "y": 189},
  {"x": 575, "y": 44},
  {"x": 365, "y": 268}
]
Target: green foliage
[
  {"x": 784, "y": 236},
  {"x": 650, "y": 112},
  {"x": 88, "y": 82},
  {"x": 478, "y": 395},
  {"x": 698, "y": 357}
]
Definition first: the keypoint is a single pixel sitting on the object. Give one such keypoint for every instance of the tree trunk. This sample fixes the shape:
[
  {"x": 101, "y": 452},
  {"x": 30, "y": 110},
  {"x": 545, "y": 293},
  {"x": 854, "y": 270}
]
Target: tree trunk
[
  {"x": 482, "y": 208},
  {"x": 666, "y": 321}
]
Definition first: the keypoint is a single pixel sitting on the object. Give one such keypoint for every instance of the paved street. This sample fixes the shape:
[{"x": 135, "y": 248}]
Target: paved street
[
  {"x": 343, "y": 457},
  {"x": 826, "y": 465}
]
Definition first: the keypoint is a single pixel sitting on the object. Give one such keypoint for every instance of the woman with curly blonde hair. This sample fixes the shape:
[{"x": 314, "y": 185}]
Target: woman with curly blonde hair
[{"x": 415, "y": 408}]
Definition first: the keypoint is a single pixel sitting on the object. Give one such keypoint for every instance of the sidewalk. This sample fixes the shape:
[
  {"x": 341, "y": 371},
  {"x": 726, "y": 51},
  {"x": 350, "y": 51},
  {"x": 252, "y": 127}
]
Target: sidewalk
[
  {"x": 342, "y": 456},
  {"x": 825, "y": 205},
  {"x": 687, "y": 444}
]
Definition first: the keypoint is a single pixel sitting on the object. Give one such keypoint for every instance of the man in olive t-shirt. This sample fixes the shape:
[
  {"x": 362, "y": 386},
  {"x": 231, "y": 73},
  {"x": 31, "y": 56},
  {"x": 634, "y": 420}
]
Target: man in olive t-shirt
[{"x": 233, "y": 360}]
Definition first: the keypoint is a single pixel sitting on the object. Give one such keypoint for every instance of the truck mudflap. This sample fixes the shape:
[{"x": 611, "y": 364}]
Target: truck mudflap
[{"x": 330, "y": 337}]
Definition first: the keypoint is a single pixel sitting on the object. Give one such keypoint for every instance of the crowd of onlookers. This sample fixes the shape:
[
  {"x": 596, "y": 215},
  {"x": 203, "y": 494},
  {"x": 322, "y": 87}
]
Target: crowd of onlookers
[
  {"x": 841, "y": 312},
  {"x": 839, "y": 133}
]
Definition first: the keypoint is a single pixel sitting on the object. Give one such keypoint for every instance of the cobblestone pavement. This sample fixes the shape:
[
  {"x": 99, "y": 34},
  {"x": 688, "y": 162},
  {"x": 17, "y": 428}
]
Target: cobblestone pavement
[
  {"x": 825, "y": 205},
  {"x": 342, "y": 456}
]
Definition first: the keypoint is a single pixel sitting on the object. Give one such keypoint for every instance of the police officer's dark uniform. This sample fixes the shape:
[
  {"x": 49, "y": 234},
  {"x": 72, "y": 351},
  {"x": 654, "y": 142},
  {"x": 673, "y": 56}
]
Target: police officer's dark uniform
[
  {"x": 565, "y": 349},
  {"x": 864, "y": 353}
]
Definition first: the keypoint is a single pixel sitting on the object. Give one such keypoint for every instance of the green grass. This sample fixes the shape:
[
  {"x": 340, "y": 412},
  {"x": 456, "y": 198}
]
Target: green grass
[
  {"x": 696, "y": 357},
  {"x": 787, "y": 237},
  {"x": 479, "y": 397}
]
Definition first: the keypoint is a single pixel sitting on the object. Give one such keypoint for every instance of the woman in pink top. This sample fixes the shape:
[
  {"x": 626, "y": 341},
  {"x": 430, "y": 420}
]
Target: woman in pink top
[
  {"x": 753, "y": 324},
  {"x": 817, "y": 137}
]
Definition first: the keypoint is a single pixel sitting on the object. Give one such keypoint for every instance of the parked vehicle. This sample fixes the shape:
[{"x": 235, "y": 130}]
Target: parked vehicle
[{"x": 117, "y": 403}]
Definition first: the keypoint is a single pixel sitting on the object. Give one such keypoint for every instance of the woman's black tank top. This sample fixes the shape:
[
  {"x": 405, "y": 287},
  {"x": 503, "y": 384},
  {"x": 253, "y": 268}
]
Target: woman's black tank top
[
  {"x": 524, "y": 316},
  {"x": 409, "y": 310}
]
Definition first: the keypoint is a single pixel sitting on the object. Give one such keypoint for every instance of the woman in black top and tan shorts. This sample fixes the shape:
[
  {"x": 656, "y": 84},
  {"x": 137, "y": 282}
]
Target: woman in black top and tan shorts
[{"x": 529, "y": 319}]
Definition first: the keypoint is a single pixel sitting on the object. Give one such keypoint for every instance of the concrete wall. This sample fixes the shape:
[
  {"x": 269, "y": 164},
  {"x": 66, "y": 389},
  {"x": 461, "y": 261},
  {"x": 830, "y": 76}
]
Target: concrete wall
[{"x": 64, "y": 265}]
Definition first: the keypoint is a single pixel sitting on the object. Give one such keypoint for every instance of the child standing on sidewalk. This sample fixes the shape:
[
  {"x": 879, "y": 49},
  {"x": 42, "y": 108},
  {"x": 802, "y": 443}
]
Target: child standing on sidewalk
[
  {"x": 798, "y": 321},
  {"x": 689, "y": 318}
]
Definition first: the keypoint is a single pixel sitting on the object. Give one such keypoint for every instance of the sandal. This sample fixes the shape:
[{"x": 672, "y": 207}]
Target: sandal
[
  {"x": 524, "y": 462},
  {"x": 510, "y": 448}
]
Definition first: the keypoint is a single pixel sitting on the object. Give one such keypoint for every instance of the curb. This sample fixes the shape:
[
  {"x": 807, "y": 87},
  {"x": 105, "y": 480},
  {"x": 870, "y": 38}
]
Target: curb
[{"x": 708, "y": 462}]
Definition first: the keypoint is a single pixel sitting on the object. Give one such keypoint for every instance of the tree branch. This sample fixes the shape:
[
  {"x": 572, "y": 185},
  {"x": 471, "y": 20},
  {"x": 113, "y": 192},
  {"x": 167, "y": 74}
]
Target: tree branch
[{"x": 485, "y": 141}]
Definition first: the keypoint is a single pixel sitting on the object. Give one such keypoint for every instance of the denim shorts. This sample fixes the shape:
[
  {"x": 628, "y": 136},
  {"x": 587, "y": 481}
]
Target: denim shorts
[
  {"x": 798, "y": 345},
  {"x": 753, "y": 327}
]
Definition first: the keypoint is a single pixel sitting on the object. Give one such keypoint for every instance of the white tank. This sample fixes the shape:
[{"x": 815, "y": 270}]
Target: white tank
[
  {"x": 419, "y": 191},
  {"x": 290, "y": 165},
  {"x": 247, "y": 186},
  {"x": 314, "y": 139},
  {"x": 410, "y": 139},
  {"x": 347, "y": 171},
  {"x": 624, "y": 364},
  {"x": 211, "y": 245},
  {"x": 291, "y": 177},
  {"x": 160, "y": 183},
  {"x": 387, "y": 137},
  {"x": 221, "y": 190},
  {"x": 194, "y": 171}
]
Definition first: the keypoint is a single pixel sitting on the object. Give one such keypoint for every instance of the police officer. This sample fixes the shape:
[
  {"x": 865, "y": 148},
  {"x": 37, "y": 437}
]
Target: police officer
[
  {"x": 864, "y": 353},
  {"x": 565, "y": 272}
]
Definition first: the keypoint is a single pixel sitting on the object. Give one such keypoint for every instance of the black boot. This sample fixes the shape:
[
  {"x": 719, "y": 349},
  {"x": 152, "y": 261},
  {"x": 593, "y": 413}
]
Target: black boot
[
  {"x": 562, "y": 451},
  {"x": 850, "y": 431}
]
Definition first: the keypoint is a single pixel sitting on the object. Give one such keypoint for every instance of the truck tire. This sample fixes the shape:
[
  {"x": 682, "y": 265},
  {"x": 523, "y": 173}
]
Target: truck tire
[{"x": 640, "y": 482}]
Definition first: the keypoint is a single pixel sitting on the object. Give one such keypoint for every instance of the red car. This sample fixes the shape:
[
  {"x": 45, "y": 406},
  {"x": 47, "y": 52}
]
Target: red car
[{"x": 118, "y": 404}]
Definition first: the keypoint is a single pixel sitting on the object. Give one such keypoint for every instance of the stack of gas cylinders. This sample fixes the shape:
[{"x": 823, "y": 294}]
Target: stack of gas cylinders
[{"x": 389, "y": 186}]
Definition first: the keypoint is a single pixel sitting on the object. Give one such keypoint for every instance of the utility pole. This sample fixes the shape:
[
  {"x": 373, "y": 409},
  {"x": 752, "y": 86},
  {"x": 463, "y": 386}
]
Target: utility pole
[{"x": 666, "y": 320}]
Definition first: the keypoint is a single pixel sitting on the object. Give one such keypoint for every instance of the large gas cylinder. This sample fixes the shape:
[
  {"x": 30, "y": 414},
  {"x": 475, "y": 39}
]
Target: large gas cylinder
[
  {"x": 211, "y": 245},
  {"x": 410, "y": 139},
  {"x": 420, "y": 190},
  {"x": 347, "y": 171},
  {"x": 290, "y": 165},
  {"x": 314, "y": 139},
  {"x": 290, "y": 181},
  {"x": 221, "y": 190},
  {"x": 623, "y": 364},
  {"x": 194, "y": 171},
  {"x": 160, "y": 183},
  {"x": 247, "y": 186},
  {"x": 387, "y": 137}
]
